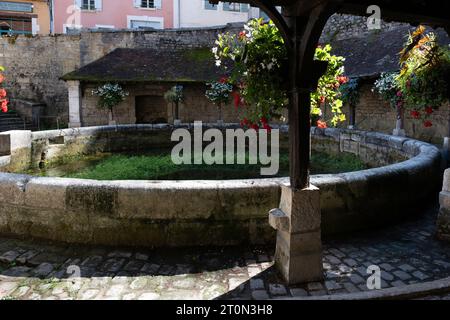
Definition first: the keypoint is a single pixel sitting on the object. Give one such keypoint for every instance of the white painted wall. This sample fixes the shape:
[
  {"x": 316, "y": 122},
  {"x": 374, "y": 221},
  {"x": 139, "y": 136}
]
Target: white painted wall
[{"x": 193, "y": 14}]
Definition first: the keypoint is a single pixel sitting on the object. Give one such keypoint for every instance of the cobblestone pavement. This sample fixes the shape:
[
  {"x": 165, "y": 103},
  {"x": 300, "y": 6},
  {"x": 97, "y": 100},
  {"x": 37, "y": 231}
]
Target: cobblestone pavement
[{"x": 406, "y": 254}]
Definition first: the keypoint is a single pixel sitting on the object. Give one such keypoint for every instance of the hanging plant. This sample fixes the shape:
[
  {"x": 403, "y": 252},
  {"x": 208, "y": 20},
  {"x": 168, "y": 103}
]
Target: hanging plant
[
  {"x": 424, "y": 78},
  {"x": 174, "y": 96},
  {"x": 3, "y": 95},
  {"x": 389, "y": 89},
  {"x": 350, "y": 92},
  {"x": 110, "y": 95},
  {"x": 257, "y": 62}
]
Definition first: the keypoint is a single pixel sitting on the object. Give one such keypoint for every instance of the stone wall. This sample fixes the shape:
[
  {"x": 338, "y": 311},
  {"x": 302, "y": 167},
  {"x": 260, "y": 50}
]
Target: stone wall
[
  {"x": 195, "y": 106},
  {"x": 375, "y": 114},
  {"x": 186, "y": 213},
  {"x": 34, "y": 65}
]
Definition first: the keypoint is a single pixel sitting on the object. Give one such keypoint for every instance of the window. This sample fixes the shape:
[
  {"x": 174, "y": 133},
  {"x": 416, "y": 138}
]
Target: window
[
  {"x": 210, "y": 6},
  {"x": 235, "y": 7},
  {"x": 139, "y": 24},
  {"x": 147, "y": 4},
  {"x": 88, "y": 5}
]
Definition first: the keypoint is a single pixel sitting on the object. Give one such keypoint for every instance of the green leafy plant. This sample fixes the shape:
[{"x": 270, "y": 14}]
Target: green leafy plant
[
  {"x": 110, "y": 95},
  {"x": 174, "y": 96},
  {"x": 424, "y": 78},
  {"x": 257, "y": 62},
  {"x": 350, "y": 93},
  {"x": 389, "y": 89}
]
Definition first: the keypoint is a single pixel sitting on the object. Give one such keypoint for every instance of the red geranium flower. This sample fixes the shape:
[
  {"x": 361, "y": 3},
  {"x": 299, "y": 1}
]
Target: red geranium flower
[
  {"x": 427, "y": 124},
  {"x": 415, "y": 114},
  {"x": 237, "y": 99},
  {"x": 267, "y": 127},
  {"x": 263, "y": 120},
  {"x": 4, "y": 106},
  {"x": 322, "y": 99},
  {"x": 2, "y": 93},
  {"x": 242, "y": 35},
  {"x": 321, "y": 124},
  {"x": 2, "y": 78},
  {"x": 429, "y": 110},
  {"x": 342, "y": 79},
  {"x": 223, "y": 80},
  {"x": 254, "y": 126}
]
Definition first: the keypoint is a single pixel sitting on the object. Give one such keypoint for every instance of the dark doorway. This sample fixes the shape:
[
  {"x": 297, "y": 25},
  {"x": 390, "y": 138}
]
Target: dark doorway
[{"x": 151, "y": 109}]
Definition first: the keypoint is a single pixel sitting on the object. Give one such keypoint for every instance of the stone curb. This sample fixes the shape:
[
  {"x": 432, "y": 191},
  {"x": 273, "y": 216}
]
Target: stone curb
[{"x": 412, "y": 291}]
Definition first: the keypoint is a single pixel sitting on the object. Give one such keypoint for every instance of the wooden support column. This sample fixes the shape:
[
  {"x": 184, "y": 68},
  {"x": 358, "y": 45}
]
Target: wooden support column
[{"x": 298, "y": 254}]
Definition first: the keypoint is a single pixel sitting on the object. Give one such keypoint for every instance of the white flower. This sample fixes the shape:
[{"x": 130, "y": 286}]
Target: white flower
[
  {"x": 218, "y": 63},
  {"x": 214, "y": 50}
]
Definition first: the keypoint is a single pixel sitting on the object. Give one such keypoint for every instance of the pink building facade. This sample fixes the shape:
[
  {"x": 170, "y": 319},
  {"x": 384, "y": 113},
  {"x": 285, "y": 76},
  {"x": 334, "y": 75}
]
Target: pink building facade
[{"x": 112, "y": 14}]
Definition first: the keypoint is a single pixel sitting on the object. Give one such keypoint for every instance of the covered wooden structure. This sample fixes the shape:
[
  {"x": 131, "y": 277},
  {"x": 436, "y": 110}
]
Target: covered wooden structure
[{"x": 301, "y": 23}]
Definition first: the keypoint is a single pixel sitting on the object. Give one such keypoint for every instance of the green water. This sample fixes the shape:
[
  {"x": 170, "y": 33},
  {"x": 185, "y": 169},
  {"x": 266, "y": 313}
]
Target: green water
[{"x": 158, "y": 165}]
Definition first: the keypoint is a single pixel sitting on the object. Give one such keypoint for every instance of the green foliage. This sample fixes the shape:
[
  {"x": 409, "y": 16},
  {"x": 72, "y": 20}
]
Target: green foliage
[
  {"x": 388, "y": 87},
  {"x": 425, "y": 75},
  {"x": 110, "y": 95},
  {"x": 258, "y": 65},
  {"x": 219, "y": 92},
  {"x": 174, "y": 95},
  {"x": 350, "y": 92}
]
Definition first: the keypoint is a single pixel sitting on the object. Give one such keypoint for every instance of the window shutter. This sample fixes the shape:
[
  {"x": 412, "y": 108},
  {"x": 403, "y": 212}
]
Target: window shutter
[
  {"x": 98, "y": 5},
  {"x": 244, "y": 7},
  {"x": 78, "y": 3},
  {"x": 158, "y": 4},
  {"x": 137, "y": 3}
]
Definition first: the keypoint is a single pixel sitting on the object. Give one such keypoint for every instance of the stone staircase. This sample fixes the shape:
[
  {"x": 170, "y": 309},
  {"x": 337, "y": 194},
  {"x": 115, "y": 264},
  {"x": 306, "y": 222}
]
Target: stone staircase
[{"x": 12, "y": 121}]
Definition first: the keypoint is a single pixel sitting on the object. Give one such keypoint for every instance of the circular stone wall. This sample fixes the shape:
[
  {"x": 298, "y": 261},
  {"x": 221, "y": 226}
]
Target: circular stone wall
[{"x": 188, "y": 213}]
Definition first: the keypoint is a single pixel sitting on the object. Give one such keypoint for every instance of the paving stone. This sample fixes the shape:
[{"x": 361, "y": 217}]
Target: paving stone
[
  {"x": 314, "y": 286},
  {"x": 89, "y": 294},
  {"x": 402, "y": 275},
  {"x": 332, "y": 285},
  {"x": 9, "y": 257},
  {"x": 406, "y": 268},
  {"x": 150, "y": 268},
  {"x": 318, "y": 293},
  {"x": 133, "y": 266},
  {"x": 43, "y": 270},
  {"x": 141, "y": 256},
  {"x": 356, "y": 279},
  {"x": 115, "y": 291},
  {"x": 386, "y": 276},
  {"x": 260, "y": 295},
  {"x": 256, "y": 284},
  {"x": 113, "y": 265},
  {"x": 149, "y": 296},
  {"x": 277, "y": 289},
  {"x": 92, "y": 262},
  {"x": 23, "y": 258},
  {"x": 120, "y": 254},
  {"x": 17, "y": 272},
  {"x": 350, "y": 262},
  {"x": 7, "y": 287},
  {"x": 351, "y": 288},
  {"x": 332, "y": 259},
  {"x": 420, "y": 275},
  {"x": 398, "y": 283},
  {"x": 298, "y": 292}
]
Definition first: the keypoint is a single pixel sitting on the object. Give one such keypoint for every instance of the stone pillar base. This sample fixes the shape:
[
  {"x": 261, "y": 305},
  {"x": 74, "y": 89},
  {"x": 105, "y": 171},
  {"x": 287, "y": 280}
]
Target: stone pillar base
[
  {"x": 443, "y": 220},
  {"x": 399, "y": 132},
  {"x": 299, "y": 246},
  {"x": 74, "y": 124}
]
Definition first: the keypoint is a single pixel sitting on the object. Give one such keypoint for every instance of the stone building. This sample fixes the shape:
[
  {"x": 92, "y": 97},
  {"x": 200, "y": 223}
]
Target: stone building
[{"x": 146, "y": 74}]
